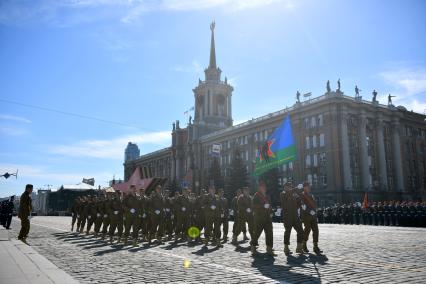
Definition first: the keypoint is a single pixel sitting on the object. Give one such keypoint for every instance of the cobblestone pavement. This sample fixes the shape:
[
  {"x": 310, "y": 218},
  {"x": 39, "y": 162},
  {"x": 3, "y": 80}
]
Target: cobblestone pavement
[{"x": 352, "y": 254}]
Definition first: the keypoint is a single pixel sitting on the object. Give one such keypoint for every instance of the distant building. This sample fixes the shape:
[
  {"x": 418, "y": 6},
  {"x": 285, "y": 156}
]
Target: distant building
[
  {"x": 345, "y": 145},
  {"x": 132, "y": 152},
  {"x": 60, "y": 201},
  {"x": 40, "y": 201}
]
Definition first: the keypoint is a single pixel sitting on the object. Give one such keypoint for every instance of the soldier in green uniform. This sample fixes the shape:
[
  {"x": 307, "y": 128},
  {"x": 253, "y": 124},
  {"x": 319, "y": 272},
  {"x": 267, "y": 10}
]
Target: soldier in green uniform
[
  {"x": 224, "y": 215},
  {"x": 290, "y": 203},
  {"x": 201, "y": 218},
  {"x": 262, "y": 219},
  {"x": 244, "y": 215},
  {"x": 168, "y": 213},
  {"x": 106, "y": 204},
  {"x": 143, "y": 208},
  {"x": 116, "y": 217},
  {"x": 131, "y": 208},
  {"x": 83, "y": 213},
  {"x": 92, "y": 211},
  {"x": 99, "y": 204},
  {"x": 183, "y": 211},
  {"x": 156, "y": 215},
  {"x": 212, "y": 211},
  {"x": 74, "y": 212},
  {"x": 234, "y": 213},
  {"x": 309, "y": 218},
  {"x": 25, "y": 209}
]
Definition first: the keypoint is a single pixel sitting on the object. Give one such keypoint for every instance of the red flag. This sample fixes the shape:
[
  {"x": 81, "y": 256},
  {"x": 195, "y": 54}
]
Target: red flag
[{"x": 365, "y": 202}]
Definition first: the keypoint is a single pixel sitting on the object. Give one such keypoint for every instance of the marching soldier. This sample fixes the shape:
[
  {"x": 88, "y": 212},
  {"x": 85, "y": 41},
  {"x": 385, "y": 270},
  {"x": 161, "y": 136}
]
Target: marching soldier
[
  {"x": 244, "y": 215},
  {"x": 91, "y": 213},
  {"x": 25, "y": 209},
  {"x": 201, "y": 218},
  {"x": 262, "y": 219},
  {"x": 156, "y": 215},
  {"x": 290, "y": 203},
  {"x": 309, "y": 218},
  {"x": 168, "y": 213},
  {"x": 234, "y": 210},
  {"x": 106, "y": 218},
  {"x": 131, "y": 208},
  {"x": 183, "y": 211},
  {"x": 81, "y": 218},
  {"x": 212, "y": 211},
  {"x": 116, "y": 217},
  {"x": 99, "y": 214},
  {"x": 224, "y": 215},
  {"x": 74, "y": 212},
  {"x": 143, "y": 209}
]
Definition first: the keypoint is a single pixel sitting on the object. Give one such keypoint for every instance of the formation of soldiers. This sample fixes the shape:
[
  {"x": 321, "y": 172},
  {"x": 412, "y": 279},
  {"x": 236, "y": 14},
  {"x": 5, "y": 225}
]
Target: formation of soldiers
[
  {"x": 138, "y": 217},
  {"x": 387, "y": 213},
  {"x": 6, "y": 212}
]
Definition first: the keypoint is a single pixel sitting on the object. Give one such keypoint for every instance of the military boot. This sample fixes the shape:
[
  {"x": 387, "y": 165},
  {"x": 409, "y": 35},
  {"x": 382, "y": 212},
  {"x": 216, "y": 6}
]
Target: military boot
[
  {"x": 299, "y": 249},
  {"x": 111, "y": 239},
  {"x": 234, "y": 240},
  {"x": 103, "y": 237},
  {"x": 245, "y": 237},
  {"x": 253, "y": 250},
  {"x": 305, "y": 248},
  {"x": 72, "y": 228},
  {"x": 317, "y": 249},
  {"x": 270, "y": 251},
  {"x": 287, "y": 251},
  {"x": 119, "y": 240},
  {"x": 135, "y": 243},
  {"x": 125, "y": 241}
]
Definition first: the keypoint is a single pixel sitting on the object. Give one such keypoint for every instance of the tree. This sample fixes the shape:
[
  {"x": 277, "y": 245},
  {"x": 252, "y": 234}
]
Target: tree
[
  {"x": 238, "y": 175},
  {"x": 272, "y": 185},
  {"x": 174, "y": 187},
  {"x": 215, "y": 175}
]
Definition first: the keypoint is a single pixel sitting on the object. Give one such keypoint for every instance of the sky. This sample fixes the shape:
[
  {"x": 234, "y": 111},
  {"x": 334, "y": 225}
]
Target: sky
[{"x": 81, "y": 78}]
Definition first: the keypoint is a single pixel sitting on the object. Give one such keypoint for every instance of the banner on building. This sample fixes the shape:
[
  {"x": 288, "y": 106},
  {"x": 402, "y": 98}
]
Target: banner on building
[
  {"x": 216, "y": 148},
  {"x": 277, "y": 150}
]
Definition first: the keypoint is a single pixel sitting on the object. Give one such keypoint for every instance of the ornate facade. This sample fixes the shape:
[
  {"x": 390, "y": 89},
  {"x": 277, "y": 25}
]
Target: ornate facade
[{"x": 345, "y": 145}]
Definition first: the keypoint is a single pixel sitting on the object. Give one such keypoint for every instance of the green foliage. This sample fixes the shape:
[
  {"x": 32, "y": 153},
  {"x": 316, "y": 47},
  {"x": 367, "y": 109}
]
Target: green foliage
[
  {"x": 215, "y": 175},
  {"x": 272, "y": 185},
  {"x": 238, "y": 176}
]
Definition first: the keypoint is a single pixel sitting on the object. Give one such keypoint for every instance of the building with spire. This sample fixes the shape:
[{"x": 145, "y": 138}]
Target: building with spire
[{"x": 346, "y": 145}]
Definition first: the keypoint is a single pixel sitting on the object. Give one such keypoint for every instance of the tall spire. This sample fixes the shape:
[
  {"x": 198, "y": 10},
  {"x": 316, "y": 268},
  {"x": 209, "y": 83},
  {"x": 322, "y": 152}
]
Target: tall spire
[{"x": 212, "y": 48}]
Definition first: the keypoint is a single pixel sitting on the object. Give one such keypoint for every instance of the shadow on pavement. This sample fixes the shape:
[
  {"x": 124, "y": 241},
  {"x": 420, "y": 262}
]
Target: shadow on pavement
[
  {"x": 203, "y": 250},
  {"x": 266, "y": 265}
]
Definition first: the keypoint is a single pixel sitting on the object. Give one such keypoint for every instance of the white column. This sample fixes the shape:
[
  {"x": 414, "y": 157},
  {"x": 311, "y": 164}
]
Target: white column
[
  {"x": 383, "y": 177},
  {"x": 365, "y": 169},
  {"x": 397, "y": 156},
  {"x": 347, "y": 181}
]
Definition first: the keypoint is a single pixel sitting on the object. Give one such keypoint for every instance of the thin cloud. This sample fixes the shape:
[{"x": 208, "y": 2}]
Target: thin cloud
[
  {"x": 14, "y": 118},
  {"x": 408, "y": 85},
  {"x": 111, "y": 148},
  {"x": 12, "y": 131},
  {"x": 194, "y": 67},
  {"x": 65, "y": 13}
]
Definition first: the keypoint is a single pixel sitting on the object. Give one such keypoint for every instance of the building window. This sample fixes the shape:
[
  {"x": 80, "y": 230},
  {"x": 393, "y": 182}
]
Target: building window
[
  {"x": 285, "y": 167},
  {"x": 306, "y": 123},
  {"x": 290, "y": 165},
  {"x": 315, "y": 160},
  {"x": 308, "y": 142},
  {"x": 314, "y": 141},
  {"x": 324, "y": 180},
  {"x": 308, "y": 161},
  {"x": 309, "y": 178},
  {"x": 322, "y": 142},
  {"x": 313, "y": 122},
  {"x": 315, "y": 181},
  {"x": 320, "y": 120}
]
